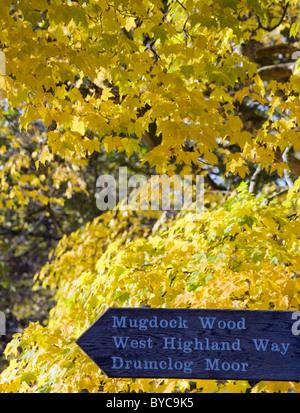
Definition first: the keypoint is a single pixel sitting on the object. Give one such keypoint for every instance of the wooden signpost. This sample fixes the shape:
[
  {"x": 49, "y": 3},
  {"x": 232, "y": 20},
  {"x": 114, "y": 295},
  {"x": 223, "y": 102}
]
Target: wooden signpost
[{"x": 192, "y": 343}]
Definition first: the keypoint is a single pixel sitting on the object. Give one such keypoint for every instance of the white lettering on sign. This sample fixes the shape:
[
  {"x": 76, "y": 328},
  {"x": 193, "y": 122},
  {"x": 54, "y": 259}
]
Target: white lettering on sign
[
  {"x": 196, "y": 343},
  {"x": 217, "y": 365},
  {"x": 187, "y": 346},
  {"x": 168, "y": 364},
  {"x": 264, "y": 344},
  {"x": 210, "y": 323},
  {"x": 145, "y": 323}
]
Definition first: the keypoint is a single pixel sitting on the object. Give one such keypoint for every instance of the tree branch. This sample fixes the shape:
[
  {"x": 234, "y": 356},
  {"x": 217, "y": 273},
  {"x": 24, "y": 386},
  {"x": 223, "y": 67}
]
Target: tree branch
[
  {"x": 275, "y": 49},
  {"x": 270, "y": 29},
  {"x": 294, "y": 162},
  {"x": 274, "y": 72},
  {"x": 286, "y": 157},
  {"x": 254, "y": 180},
  {"x": 23, "y": 237},
  {"x": 284, "y": 191}
]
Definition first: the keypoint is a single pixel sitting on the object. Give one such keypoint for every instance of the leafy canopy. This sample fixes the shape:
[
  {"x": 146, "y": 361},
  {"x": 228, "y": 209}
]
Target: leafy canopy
[
  {"x": 238, "y": 256},
  {"x": 90, "y": 68}
]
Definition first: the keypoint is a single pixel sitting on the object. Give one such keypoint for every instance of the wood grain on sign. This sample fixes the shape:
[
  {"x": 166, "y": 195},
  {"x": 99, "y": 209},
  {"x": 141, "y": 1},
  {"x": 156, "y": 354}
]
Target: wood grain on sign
[{"x": 193, "y": 343}]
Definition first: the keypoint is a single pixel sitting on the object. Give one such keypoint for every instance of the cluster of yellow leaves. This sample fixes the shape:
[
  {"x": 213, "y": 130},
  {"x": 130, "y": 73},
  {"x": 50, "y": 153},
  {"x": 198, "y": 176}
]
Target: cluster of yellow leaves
[
  {"x": 242, "y": 254},
  {"x": 21, "y": 183}
]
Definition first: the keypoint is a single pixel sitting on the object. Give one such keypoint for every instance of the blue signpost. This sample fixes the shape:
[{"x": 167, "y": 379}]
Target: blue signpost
[{"x": 193, "y": 343}]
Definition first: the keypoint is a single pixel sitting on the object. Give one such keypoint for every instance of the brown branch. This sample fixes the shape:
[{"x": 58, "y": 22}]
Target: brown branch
[
  {"x": 284, "y": 191},
  {"x": 254, "y": 180},
  {"x": 294, "y": 162},
  {"x": 57, "y": 225},
  {"x": 274, "y": 72},
  {"x": 147, "y": 141},
  {"x": 270, "y": 29},
  {"x": 23, "y": 237},
  {"x": 292, "y": 215},
  {"x": 275, "y": 49}
]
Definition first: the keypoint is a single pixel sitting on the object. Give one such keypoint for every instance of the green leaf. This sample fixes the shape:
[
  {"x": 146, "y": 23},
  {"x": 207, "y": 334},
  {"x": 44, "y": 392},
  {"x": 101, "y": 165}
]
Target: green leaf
[{"x": 28, "y": 378}]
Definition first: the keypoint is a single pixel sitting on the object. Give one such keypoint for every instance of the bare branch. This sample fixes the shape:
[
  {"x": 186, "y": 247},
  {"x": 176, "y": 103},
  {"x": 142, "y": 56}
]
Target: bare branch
[
  {"x": 275, "y": 49},
  {"x": 286, "y": 157},
  {"x": 294, "y": 162},
  {"x": 254, "y": 180},
  {"x": 274, "y": 72},
  {"x": 270, "y": 29},
  {"x": 284, "y": 191}
]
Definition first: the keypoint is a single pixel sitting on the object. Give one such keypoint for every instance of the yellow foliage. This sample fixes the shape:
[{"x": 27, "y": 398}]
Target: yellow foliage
[
  {"x": 116, "y": 261},
  {"x": 101, "y": 73}
]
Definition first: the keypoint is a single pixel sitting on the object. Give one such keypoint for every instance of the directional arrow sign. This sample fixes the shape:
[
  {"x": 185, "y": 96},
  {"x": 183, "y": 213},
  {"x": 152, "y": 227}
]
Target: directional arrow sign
[{"x": 192, "y": 343}]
